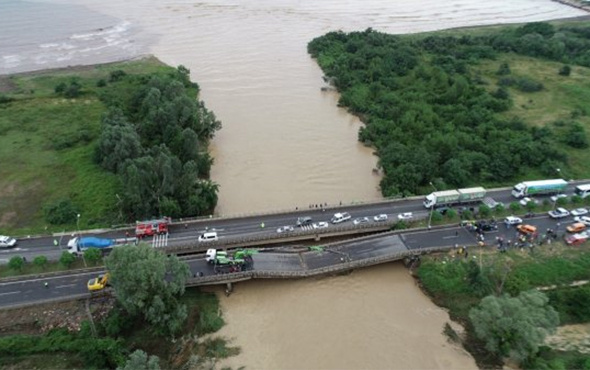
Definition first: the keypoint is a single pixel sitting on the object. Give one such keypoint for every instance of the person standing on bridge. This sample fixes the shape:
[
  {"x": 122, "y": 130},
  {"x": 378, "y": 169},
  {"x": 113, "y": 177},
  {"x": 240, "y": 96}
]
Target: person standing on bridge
[{"x": 262, "y": 225}]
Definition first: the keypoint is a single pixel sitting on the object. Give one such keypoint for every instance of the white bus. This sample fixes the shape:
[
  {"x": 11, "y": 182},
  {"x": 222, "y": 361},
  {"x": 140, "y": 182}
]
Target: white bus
[{"x": 582, "y": 190}]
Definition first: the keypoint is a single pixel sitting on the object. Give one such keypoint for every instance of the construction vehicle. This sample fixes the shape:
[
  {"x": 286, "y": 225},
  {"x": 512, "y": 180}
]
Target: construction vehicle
[
  {"x": 99, "y": 283},
  {"x": 78, "y": 245},
  {"x": 239, "y": 257},
  {"x": 541, "y": 187},
  {"x": 151, "y": 227},
  {"x": 453, "y": 197}
]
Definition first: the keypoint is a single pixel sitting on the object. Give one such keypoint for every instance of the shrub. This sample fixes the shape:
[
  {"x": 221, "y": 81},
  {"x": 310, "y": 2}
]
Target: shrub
[
  {"x": 565, "y": 70},
  {"x": 101, "y": 83},
  {"x": 16, "y": 263},
  {"x": 527, "y": 85},
  {"x": 40, "y": 261},
  {"x": 503, "y": 70},
  {"x": 117, "y": 75},
  {"x": 484, "y": 210},
  {"x": 60, "y": 88},
  {"x": 515, "y": 207},
  {"x": 60, "y": 212},
  {"x": 67, "y": 259},
  {"x": 92, "y": 255}
]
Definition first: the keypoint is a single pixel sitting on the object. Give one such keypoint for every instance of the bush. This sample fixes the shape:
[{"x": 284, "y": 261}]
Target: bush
[
  {"x": 101, "y": 83},
  {"x": 67, "y": 259},
  {"x": 60, "y": 88},
  {"x": 515, "y": 207},
  {"x": 16, "y": 263},
  {"x": 484, "y": 210},
  {"x": 73, "y": 91},
  {"x": 527, "y": 85},
  {"x": 92, "y": 255},
  {"x": 503, "y": 70},
  {"x": 117, "y": 75},
  {"x": 60, "y": 212},
  {"x": 40, "y": 261},
  {"x": 576, "y": 137},
  {"x": 565, "y": 70}
]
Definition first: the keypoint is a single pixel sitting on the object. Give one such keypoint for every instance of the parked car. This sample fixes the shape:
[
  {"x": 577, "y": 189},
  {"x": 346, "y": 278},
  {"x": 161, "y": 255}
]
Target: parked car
[
  {"x": 558, "y": 196},
  {"x": 559, "y": 213},
  {"x": 583, "y": 219},
  {"x": 576, "y": 227},
  {"x": 576, "y": 239},
  {"x": 579, "y": 212},
  {"x": 285, "y": 229},
  {"x": 405, "y": 216},
  {"x": 7, "y": 242},
  {"x": 304, "y": 221},
  {"x": 380, "y": 218},
  {"x": 360, "y": 220},
  {"x": 512, "y": 220},
  {"x": 320, "y": 225},
  {"x": 527, "y": 229}
]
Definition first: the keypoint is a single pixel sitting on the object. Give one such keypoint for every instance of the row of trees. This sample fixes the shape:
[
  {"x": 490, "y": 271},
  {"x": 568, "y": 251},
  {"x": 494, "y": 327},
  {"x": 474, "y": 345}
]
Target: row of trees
[
  {"x": 428, "y": 114},
  {"x": 154, "y": 137}
]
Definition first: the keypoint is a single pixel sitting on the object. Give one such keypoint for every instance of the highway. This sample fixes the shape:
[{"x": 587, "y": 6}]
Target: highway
[
  {"x": 16, "y": 293},
  {"x": 232, "y": 229}
]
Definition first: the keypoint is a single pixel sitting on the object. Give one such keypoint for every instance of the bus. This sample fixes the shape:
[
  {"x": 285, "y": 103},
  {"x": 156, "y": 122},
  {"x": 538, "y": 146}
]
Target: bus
[{"x": 582, "y": 190}]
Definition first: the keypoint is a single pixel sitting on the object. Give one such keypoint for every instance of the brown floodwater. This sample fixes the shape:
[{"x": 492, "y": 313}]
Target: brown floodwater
[{"x": 285, "y": 144}]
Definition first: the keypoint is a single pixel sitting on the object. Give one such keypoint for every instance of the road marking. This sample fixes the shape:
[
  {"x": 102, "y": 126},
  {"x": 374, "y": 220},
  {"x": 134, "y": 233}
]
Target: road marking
[
  {"x": 10, "y": 293},
  {"x": 450, "y": 237},
  {"x": 65, "y": 286}
]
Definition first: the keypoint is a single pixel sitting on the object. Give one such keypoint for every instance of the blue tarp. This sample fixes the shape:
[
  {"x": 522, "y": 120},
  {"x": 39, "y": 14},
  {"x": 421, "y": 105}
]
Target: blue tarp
[{"x": 93, "y": 242}]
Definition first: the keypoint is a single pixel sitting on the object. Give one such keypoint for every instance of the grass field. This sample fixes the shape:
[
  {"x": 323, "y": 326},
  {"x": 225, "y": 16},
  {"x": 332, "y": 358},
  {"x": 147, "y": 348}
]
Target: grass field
[{"x": 47, "y": 144}]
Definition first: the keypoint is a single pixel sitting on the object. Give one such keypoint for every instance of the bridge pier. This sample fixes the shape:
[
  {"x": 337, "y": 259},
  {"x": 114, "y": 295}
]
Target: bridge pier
[{"x": 229, "y": 288}]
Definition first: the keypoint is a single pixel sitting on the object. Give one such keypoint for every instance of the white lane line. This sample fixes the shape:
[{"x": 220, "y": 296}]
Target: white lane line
[
  {"x": 65, "y": 286},
  {"x": 10, "y": 293},
  {"x": 450, "y": 237}
]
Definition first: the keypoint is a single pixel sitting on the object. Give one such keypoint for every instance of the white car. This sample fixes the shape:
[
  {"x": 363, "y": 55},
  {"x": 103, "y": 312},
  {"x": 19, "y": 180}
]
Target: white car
[
  {"x": 559, "y": 213},
  {"x": 583, "y": 219},
  {"x": 7, "y": 242},
  {"x": 381, "y": 217},
  {"x": 285, "y": 229},
  {"x": 512, "y": 220},
  {"x": 360, "y": 220},
  {"x": 579, "y": 212},
  {"x": 320, "y": 225},
  {"x": 556, "y": 197},
  {"x": 526, "y": 200},
  {"x": 405, "y": 216},
  {"x": 340, "y": 217}
]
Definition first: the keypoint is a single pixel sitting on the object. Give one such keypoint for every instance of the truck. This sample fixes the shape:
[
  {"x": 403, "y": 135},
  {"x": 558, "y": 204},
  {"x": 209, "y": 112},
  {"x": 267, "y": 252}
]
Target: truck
[
  {"x": 239, "y": 257},
  {"x": 541, "y": 187},
  {"x": 453, "y": 197},
  {"x": 78, "y": 245},
  {"x": 151, "y": 227}
]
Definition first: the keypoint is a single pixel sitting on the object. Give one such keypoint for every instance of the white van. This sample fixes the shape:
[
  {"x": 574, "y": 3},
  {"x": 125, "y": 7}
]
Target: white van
[
  {"x": 340, "y": 217},
  {"x": 210, "y": 236}
]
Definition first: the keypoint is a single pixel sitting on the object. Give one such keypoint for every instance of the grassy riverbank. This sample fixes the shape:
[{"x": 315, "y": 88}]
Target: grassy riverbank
[
  {"x": 47, "y": 146},
  {"x": 449, "y": 280}
]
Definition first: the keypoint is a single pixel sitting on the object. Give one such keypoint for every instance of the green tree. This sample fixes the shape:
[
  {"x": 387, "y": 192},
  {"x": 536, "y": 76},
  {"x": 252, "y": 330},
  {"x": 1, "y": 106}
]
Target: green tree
[
  {"x": 40, "y": 261},
  {"x": 92, "y": 255},
  {"x": 16, "y": 263},
  {"x": 514, "y": 326},
  {"x": 60, "y": 212},
  {"x": 565, "y": 70},
  {"x": 148, "y": 283},
  {"x": 139, "y": 360},
  {"x": 484, "y": 210},
  {"x": 531, "y": 206},
  {"x": 67, "y": 259},
  {"x": 118, "y": 141},
  {"x": 515, "y": 207}
]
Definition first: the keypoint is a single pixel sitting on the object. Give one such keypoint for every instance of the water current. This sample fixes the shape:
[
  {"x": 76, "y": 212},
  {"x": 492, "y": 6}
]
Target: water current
[{"x": 284, "y": 144}]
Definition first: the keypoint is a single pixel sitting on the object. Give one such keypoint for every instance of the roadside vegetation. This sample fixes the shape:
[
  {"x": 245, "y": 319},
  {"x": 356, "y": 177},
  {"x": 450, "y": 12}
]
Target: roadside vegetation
[
  {"x": 490, "y": 106},
  {"x": 511, "y": 302},
  {"x": 102, "y": 145},
  {"x": 153, "y": 323}
]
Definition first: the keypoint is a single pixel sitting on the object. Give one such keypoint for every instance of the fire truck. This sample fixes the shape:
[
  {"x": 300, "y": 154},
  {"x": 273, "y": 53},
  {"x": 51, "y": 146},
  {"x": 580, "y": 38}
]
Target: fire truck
[{"x": 151, "y": 227}]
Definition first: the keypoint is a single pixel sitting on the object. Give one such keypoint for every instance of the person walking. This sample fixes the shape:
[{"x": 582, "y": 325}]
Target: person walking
[{"x": 46, "y": 284}]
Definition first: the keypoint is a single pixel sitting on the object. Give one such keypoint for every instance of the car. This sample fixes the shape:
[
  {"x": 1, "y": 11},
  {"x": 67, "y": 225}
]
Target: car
[
  {"x": 360, "y": 220},
  {"x": 583, "y": 219},
  {"x": 579, "y": 212},
  {"x": 512, "y": 220},
  {"x": 304, "y": 221},
  {"x": 524, "y": 201},
  {"x": 576, "y": 227},
  {"x": 486, "y": 226},
  {"x": 320, "y": 225},
  {"x": 526, "y": 229},
  {"x": 98, "y": 283},
  {"x": 559, "y": 213},
  {"x": 340, "y": 217},
  {"x": 558, "y": 196},
  {"x": 7, "y": 242},
  {"x": 210, "y": 236},
  {"x": 405, "y": 216},
  {"x": 380, "y": 218},
  {"x": 285, "y": 229},
  {"x": 576, "y": 239}
]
